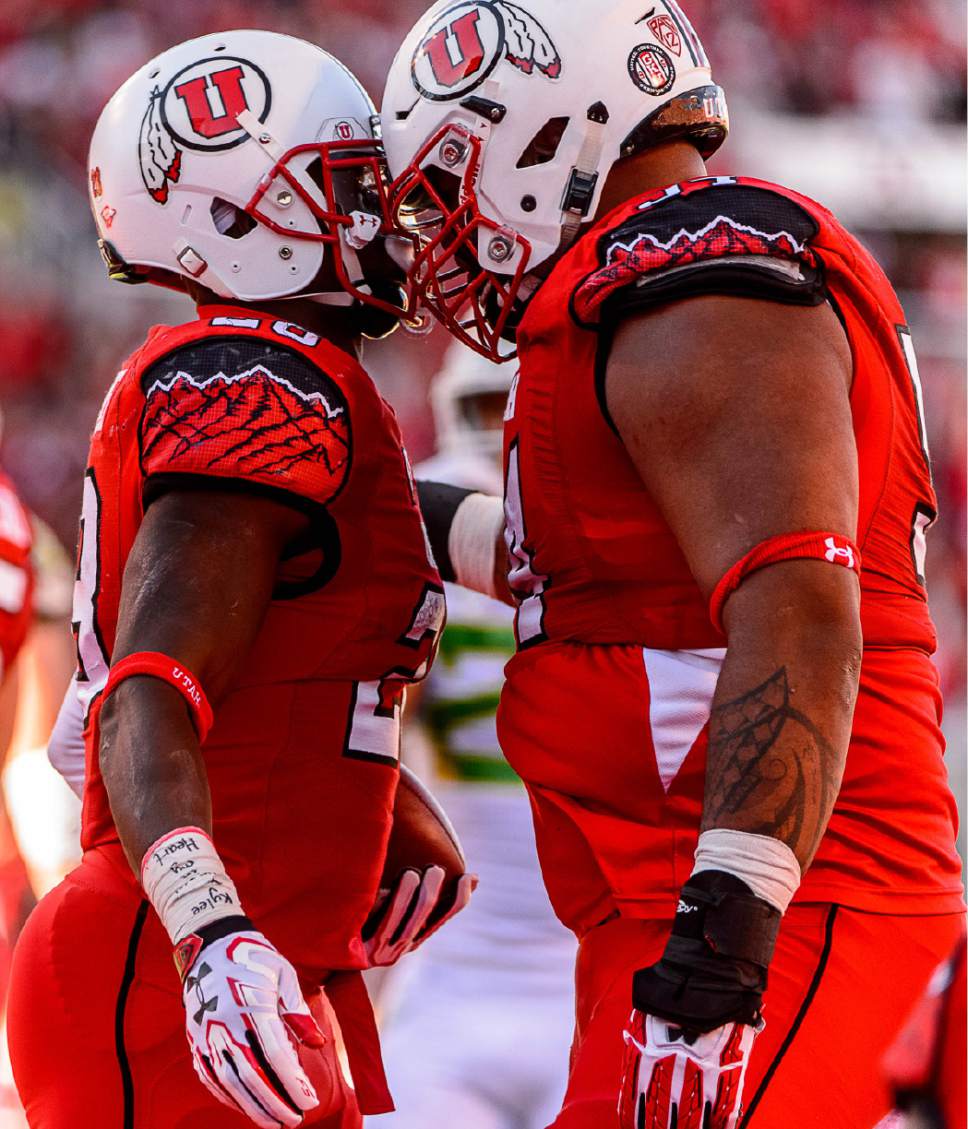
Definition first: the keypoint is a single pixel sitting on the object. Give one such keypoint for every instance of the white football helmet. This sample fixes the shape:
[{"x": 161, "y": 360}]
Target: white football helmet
[
  {"x": 237, "y": 159},
  {"x": 464, "y": 395},
  {"x": 501, "y": 122}
]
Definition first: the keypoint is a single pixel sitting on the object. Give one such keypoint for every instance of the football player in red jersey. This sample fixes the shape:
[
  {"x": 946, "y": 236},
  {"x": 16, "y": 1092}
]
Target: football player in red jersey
[
  {"x": 717, "y": 491},
  {"x": 17, "y": 581},
  {"x": 255, "y": 591}
]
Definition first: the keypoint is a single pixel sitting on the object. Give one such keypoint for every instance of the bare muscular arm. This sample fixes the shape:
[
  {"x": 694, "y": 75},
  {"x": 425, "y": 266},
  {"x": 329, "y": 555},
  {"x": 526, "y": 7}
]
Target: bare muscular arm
[
  {"x": 736, "y": 413},
  {"x": 197, "y": 585}
]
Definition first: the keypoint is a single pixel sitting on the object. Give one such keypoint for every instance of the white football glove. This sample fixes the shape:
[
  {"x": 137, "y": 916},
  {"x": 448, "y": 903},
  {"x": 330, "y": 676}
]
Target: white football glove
[
  {"x": 405, "y": 910},
  {"x": 675, "y": 1080},
  {"x": 244, "y": 1008}
]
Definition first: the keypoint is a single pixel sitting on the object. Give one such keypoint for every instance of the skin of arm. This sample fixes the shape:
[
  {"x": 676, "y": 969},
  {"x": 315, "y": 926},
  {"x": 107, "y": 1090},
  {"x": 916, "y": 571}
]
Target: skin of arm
[
  {"x": 736, "y": 414},
  {"x": 197, "y": 585}
]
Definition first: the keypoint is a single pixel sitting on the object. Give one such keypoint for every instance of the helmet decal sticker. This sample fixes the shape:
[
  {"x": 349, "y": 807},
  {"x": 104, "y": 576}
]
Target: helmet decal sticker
[
  {"x": 160, "y": 156},
  {"x": 667, "y": 34},
  {"x": 467, "y": 41},
  {"x": 529, "y": 45},
  {"x": 198, "y": 109},
  {"x": 107, "y": 215},
  {"x": 687, "y": 32},
  {"x": 200, "y": 104},
  {"x": 652, "y": 69},
  {"x": 97, "y": 188}
]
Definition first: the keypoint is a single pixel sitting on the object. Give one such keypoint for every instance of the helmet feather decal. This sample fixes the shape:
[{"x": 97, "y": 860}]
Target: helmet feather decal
[
  {"x": 160, "y": 156},
  {"x": 528, "y": 44}
]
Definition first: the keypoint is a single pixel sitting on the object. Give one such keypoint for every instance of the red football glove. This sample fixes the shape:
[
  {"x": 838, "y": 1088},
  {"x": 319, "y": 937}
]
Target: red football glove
[
  {"x": 244, "y": 1012},
  {"x": 404, "y": 911},
  {"x": 678, "y": 1081},
  {"x": 697, "y": 1010}
]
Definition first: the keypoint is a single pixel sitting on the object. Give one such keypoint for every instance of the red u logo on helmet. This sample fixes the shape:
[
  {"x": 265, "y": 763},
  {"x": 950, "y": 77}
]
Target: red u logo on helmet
[
  {"x": 452, "y": 64},
  {"x": 197, "y": 95}
]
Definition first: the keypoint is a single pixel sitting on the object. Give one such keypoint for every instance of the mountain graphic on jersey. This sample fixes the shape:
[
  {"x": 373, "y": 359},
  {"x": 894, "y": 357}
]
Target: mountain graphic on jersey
[
  {"x": 255, "y": 422},
  {"x": 647, "y": 255}
]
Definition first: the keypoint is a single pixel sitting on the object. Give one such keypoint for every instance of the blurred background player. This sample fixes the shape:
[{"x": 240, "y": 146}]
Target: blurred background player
[
  {"x": 37, "y": 834},
  {"x": 478, "y": 1022},
  {"x": 44, "y": 813},
  {"x": 16, "y": 614},
  {"x": 16, "y": 609},
  {"x": 928, "y": 1064}
]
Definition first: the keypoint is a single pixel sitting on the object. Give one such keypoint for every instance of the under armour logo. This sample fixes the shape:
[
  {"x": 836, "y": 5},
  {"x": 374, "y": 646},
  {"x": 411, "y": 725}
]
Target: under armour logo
[
  {"x": 839, "y": 554},
  {"x": 194, "y": 984}
]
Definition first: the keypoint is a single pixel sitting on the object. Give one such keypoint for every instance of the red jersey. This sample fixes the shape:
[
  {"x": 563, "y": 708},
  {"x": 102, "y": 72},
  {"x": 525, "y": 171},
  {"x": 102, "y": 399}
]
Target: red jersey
[
  {"x": 16, "y": 574},
  {"x": 594, "y": 562},
  {"x": 302, "y": 757}
]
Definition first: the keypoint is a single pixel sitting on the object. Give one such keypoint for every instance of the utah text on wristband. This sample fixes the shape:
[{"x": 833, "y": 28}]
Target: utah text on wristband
[{"x": 153, "y": 664}]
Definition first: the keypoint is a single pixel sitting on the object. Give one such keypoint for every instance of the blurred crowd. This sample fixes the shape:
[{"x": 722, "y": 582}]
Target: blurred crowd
[
  {"x": 64, "y": 329},
  {"x": 61, "y": 56}
]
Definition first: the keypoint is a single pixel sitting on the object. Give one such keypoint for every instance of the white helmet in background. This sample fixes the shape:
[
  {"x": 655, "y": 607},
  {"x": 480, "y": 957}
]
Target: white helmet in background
[
  {"x": 501, "y": 122},
  {"x": 468, "y": 397},
  {"x": 240, "y": 160}
]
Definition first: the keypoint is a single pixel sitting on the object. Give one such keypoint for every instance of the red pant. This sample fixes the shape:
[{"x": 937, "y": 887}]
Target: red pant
[
  {"x": 96, "y": 1024},
  {"x": 841, "y": 985}
]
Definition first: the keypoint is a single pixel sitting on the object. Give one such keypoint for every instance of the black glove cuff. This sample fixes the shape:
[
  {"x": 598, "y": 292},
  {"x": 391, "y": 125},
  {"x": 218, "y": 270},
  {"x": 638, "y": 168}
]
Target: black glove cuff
[
  {"x": 723, "y": 911},
  {"x": 439, "y": 504},
  {"x": 714, "y": 969},
  {"x": 237, "y": 923}
]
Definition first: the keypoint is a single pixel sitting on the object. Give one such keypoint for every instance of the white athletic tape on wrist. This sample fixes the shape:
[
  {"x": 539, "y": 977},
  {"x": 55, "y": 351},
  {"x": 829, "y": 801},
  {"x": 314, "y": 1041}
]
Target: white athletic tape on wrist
[
  {"x": 474, "y": 533},
  {"x": 766, "y": 865},
  {"x": 186, "y": 882}
]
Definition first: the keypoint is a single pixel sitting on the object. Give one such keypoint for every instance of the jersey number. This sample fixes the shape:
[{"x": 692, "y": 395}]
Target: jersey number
[{"x": 376, "y": 708}]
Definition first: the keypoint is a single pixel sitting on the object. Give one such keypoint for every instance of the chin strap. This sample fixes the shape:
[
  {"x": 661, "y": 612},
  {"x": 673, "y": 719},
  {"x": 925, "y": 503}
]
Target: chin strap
[
  {"x": 579, "y": 195},
  {"x": 258, "y": 132},
  {"x": 331, "y": 298}
]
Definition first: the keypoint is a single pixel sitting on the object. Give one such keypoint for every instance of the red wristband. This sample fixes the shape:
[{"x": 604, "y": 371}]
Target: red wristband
[
  {"x": 830, "y": 547},
  {"x": 153, "y": 664}
]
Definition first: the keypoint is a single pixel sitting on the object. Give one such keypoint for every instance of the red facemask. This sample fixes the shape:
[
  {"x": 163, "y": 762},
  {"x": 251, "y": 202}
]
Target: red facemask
[
  {"x": 353, "y": 181},
  {"x": 440, "y": 211}
]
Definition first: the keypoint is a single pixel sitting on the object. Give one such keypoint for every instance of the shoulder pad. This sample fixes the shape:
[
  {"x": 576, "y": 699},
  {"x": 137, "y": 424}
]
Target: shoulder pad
[
  {"x": 247, "y": 409},
  {"x": 228, "y": 359},
  {"x": 720, "y": 237}
]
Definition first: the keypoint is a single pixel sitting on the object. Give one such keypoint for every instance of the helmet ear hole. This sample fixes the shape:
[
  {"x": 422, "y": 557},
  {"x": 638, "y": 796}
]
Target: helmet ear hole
[
  {"x": 230, "y": 220},
  {"x": 544, "y": 146}
]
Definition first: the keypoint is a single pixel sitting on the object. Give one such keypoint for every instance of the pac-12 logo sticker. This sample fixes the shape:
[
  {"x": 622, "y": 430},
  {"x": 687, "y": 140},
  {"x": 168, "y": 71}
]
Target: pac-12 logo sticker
[
  {"x": 466, "y": 42},
  {"x": 652, "y": 70},
  {"x": 667, "y": 34},
  {"x": 198, "y": 109}
]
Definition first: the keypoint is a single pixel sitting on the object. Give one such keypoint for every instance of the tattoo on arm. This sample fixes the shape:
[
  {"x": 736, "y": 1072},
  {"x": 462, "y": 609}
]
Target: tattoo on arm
[{"x": 770, "y": 770}]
